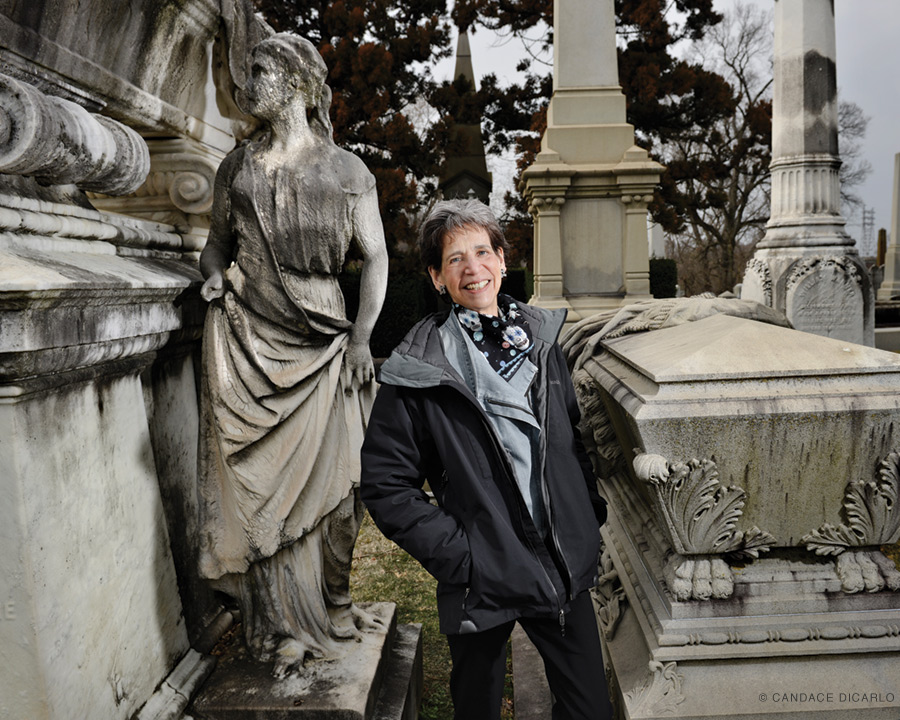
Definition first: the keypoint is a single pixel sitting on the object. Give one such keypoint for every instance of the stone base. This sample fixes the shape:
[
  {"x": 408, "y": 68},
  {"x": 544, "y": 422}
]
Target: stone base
[
  {"x": 379, "y": 678},
  {"x": 822, "y": 687}
]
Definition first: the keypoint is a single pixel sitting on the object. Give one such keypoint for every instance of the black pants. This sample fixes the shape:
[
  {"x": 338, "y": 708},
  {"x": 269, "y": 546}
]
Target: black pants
[{"x": 573, "y": 663}]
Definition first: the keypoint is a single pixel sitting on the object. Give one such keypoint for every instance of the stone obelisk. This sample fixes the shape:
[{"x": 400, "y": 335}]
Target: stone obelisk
[
  {"x": 589, "y": 187},
  {"x": 807, "y": 265}
]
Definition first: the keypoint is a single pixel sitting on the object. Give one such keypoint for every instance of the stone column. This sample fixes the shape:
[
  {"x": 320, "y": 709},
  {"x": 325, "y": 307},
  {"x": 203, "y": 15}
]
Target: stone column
[
  {"x": 807, "y": 265},
  {"x": 890, "y": 288},
  {"x": 589, "y": 186}
]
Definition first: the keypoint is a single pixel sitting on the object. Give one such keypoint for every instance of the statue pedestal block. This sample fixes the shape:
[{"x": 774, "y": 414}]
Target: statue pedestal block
[{"x": 379, "y": 678}]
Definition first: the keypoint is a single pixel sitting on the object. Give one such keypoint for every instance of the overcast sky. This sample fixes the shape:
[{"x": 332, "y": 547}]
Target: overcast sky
[{"x": 868, "y": 72}]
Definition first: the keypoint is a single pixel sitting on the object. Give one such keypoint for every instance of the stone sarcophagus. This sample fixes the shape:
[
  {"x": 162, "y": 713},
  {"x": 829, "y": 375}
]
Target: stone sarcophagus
[{"x": 753, "y": 474}]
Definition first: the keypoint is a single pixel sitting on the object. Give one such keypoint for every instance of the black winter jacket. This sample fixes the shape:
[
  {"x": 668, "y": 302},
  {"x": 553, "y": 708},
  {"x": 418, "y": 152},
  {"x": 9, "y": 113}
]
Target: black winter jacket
[{"x": 479, "y": 541}]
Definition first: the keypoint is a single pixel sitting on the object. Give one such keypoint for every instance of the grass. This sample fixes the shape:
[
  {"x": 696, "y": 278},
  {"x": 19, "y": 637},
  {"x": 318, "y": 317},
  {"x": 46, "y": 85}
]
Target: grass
[{"x": 384, "y": 572}]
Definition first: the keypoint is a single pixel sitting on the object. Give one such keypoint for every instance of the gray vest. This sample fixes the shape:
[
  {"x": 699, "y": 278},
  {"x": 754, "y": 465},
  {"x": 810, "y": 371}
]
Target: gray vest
[{"x": 508, "y": 408}]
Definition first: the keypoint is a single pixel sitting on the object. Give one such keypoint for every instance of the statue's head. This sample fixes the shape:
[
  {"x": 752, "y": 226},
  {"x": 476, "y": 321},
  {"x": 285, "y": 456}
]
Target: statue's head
[{"x": 285, "y": 65}]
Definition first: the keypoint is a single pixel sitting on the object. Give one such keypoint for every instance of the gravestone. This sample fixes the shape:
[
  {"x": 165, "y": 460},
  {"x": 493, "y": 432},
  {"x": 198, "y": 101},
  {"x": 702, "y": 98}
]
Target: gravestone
[{"x": 825, "y": 296}]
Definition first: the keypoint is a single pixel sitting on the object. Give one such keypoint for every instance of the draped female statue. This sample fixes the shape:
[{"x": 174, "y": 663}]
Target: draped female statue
[{"x": 287, "y": 379}]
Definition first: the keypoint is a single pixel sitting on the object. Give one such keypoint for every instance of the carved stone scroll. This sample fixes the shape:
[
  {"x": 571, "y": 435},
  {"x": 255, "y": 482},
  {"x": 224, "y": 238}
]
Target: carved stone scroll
[
  {"x": 60, "y": 143},
  {"x": 872, "y": 520}
]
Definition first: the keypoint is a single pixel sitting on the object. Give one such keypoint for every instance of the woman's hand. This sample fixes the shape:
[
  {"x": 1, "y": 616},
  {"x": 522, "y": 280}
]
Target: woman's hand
[
  {"x": 358, "y": 369},
  {"x": 214, "y": 287}
]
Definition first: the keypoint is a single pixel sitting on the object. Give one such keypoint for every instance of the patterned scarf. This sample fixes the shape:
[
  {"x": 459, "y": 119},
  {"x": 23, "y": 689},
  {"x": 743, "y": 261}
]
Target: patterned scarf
[{"x": 504, "y": 340}]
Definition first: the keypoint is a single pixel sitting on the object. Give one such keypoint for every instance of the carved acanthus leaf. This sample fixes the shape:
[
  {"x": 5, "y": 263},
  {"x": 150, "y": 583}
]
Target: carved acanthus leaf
[
  {"x": 699, "y": 512},
  {"x": 872, "y": 512},
  {"x": 660, "y": 694}
]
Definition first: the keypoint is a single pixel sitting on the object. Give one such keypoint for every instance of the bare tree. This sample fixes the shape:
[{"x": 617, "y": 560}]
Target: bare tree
[
  {"x": 852, "y": 126},
  {"x": 718, "y": 175}
]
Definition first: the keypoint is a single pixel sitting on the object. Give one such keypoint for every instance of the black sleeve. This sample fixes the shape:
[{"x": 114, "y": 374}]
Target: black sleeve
[{"x": 396, "y": 451}]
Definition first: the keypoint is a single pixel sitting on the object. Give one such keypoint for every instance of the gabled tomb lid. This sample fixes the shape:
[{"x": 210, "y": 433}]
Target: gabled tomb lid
[{"x": 723, "y": 347}]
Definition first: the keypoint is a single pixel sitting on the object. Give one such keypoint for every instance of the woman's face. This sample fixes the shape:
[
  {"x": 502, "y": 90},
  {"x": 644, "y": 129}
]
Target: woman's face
[
  {"x": 471, "y": 269},
  {"x": 267, "y": 90}
]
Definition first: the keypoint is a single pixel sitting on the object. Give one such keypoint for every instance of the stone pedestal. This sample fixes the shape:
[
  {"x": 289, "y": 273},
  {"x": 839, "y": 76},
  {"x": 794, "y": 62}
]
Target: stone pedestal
[
  {"x": 752, "y": 473},
  {"x": 379, "y": 678},
  {"x": 806, "y": 265},
  {"x": 589, "y": 187}
]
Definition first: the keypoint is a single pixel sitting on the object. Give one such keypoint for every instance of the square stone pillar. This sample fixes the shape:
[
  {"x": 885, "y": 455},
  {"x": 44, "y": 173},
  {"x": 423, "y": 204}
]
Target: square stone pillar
[{"x": 589, "y": 187}]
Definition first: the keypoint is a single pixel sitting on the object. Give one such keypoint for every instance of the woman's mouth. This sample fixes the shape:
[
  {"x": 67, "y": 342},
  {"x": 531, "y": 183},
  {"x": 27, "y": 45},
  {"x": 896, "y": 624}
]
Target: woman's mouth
[{"x": 476, "y": 285}]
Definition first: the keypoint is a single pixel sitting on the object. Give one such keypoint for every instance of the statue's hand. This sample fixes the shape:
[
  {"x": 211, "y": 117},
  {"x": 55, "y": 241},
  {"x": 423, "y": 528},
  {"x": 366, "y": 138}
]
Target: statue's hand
[
  {"x": 214, "y": 287},
  {"x": 358, "y": 368}
]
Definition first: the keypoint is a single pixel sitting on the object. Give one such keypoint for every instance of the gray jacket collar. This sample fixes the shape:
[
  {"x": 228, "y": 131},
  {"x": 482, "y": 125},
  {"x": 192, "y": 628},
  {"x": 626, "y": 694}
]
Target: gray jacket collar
[{"x": 420, "y": 361}]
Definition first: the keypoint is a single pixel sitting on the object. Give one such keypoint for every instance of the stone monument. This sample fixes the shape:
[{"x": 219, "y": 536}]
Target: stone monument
[
  {"x": 114, "y": 117},
  {"x": 98, "y": 414},
  {"x": 465, "y": 173},
  {"x": 806, "y": 265},
  {"x": 751, "y": 495},
  {"x": 288, "y": 381},
  {"x": 589, "y": 187}
]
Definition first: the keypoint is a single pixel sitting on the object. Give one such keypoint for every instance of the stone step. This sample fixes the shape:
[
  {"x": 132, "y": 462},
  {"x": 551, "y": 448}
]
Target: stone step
[{"x": 379, "y": 677}]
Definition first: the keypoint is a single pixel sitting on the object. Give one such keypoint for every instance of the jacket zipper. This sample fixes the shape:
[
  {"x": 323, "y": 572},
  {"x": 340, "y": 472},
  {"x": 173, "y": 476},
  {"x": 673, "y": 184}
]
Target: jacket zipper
[
  {"x": 545, "y": 493},
  {"x": 501, "y": 453}
]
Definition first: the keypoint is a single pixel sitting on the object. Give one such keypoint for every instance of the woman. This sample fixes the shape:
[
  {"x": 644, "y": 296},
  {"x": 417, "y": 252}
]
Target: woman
[
  {"x": 288, "y": 381},
  {"x": 478, "y": 403}
]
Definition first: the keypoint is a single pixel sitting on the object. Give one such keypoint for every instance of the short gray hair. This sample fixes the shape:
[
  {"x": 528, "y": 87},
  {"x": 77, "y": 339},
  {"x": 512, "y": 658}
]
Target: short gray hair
[{"x": 450, "y": 215}]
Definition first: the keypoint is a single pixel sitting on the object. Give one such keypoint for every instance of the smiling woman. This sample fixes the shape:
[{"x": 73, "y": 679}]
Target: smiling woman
[{"x": 478, "y": 402}]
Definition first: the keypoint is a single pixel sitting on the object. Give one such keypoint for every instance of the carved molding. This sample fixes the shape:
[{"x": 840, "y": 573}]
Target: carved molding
[
  {"x": 872, "y": 516},
  {"x": 660, "y": 693},
  {"x": 60, "y": 143},
  {"x": 181, "y": 180},
  {"x": 808, "y": 187},
  {"x": 842, "y": 263},
  {"x": 546, "y": 204},
  {"x": 761, "y": 271},
  {"x": 864, "y": 637},
  {"x": 596, "y": 429},
  {"x": 609, "y": 596}
]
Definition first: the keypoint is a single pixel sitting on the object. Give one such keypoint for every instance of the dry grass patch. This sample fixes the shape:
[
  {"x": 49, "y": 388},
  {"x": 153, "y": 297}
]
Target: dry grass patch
[{"x": 384, "y": 572}]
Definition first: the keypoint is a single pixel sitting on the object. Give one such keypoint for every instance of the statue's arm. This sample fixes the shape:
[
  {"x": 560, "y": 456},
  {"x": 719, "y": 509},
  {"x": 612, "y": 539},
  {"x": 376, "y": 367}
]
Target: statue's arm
[
  {"x": 219, "y": 250},
  {"x": 368, "y": 233}
]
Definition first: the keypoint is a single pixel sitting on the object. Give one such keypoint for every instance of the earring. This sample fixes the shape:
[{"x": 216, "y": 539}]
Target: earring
[
  {"x": 442, "y": 289},
  {"x": 503, "y": 272}
]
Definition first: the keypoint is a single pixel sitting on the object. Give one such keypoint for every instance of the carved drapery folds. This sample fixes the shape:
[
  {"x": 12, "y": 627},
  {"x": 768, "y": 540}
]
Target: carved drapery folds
[
  {"x": 872, "y": 519},
  {"x": 700, "y": 517},
  {"x": 59, "y": 143}
]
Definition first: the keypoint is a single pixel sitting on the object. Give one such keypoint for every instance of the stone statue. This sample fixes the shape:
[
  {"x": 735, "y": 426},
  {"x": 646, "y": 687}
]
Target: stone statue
[{"x": 288, "y": 381}]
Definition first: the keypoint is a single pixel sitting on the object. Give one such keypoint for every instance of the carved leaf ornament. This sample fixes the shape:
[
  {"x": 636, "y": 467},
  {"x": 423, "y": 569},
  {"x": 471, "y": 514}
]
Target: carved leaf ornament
[
  {"x": 873, "y": 519},
  {"x": 700, "y": 516},
  {"x": 872, "y": 511},
  {"x": 700, "y": 513}
]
